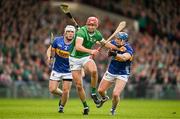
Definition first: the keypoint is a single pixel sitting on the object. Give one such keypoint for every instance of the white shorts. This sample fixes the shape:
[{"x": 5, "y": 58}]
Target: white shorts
[
  {"x": 112, "y": 77},
  {"x": 78, "y": 63},
  {"x": 56, "y": 76}
]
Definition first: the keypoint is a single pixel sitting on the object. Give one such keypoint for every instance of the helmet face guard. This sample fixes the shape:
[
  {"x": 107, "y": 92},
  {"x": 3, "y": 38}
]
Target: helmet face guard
[{"x": 92, "y": 20}]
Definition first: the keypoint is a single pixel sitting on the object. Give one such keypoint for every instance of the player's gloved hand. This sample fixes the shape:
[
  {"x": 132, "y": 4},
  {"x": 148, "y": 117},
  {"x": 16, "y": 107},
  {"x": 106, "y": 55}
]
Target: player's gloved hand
[{"x": 112, "y": 53}]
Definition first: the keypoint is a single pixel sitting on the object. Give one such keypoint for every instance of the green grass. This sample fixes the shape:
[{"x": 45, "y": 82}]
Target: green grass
[{"x": 128, "y": 109}]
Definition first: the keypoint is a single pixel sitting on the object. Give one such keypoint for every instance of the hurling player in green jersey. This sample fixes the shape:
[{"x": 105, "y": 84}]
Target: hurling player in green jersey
[{"x": 80, "y": 57}]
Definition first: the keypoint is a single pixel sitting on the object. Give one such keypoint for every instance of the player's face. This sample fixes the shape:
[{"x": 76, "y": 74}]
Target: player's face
[
  {"x": 119, "y": 41},
  {"x": 91, "y": 27},
  {"x": 69, "y": 35}
]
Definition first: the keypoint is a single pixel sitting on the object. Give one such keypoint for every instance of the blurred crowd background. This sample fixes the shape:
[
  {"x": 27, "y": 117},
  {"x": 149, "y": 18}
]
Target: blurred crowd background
[{"x": 25, "y": 28}]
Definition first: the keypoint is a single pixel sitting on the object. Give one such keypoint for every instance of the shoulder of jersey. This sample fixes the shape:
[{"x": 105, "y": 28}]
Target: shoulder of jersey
[
  {"x": 59, "y": 38},
  {"x": 129, "y": 46},
  {"x": 81, "y": 29},
  {"x": 113, "y": 42},
  {"x": 97, "y": 31}
]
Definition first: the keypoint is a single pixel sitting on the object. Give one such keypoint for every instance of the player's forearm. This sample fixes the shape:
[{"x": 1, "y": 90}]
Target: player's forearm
[
  {"x": 48, "y": 52},
  {"x": 123, "y": 57},
  {"x": 83, "y": 49},
  {"x": 111, "y": 46}
]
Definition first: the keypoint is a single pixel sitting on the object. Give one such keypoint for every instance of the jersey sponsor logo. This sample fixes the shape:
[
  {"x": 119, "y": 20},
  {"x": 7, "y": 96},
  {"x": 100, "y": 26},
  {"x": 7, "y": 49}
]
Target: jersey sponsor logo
[
  {"x": 62, "y": 53},
  {"x": 59, "y": 45}
]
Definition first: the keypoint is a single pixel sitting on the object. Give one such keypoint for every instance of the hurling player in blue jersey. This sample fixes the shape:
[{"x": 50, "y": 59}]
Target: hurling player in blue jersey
[
  {"x": 60, "y": 68},
  {"x": 118, "y": 71}
]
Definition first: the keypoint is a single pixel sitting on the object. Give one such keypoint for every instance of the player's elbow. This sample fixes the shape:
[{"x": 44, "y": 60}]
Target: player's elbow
[
  {"x": 128, "y": 57},
  {"x": 78, "y": 47}
]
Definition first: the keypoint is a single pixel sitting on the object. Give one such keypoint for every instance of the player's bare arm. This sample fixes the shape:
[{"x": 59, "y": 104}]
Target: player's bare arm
[
  {"x": 50, "y": 51},
  {"x": 121, "y": 57},
  {"x": 124, "y": 57},
  {"x": 80, "y": 47}
]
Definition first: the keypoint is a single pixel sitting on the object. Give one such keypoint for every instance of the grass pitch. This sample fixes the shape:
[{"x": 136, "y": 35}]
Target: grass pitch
[{"x": 128, "y": 109}]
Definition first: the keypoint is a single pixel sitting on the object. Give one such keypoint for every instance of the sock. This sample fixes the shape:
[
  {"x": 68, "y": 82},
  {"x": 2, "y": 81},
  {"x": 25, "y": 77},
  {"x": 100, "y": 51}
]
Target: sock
[
  {"x": 93, "y": 90},
  {"x": 85, "y": 104},
  {"x": 59, "y": 102},
  {"x": 113, "y": 108},
  {"x": 61, "y": 107}
]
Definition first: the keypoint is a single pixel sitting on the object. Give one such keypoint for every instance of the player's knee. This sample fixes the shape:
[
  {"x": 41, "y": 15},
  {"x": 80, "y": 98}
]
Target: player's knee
[
  {"x": 65, "y": 91},
  {"x": 115, "y": 95},
  {"x": 79, "y": 86},
  {"x": 52, "y": 89}
]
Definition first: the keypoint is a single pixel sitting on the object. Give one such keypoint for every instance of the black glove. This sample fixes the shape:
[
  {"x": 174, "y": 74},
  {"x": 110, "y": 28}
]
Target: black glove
[{"x": 112, "y": 53}]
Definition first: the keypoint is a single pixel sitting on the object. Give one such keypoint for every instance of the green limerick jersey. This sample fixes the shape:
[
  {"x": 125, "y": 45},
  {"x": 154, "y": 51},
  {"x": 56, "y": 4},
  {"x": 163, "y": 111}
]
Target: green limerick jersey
[{"x": 88, "y": 42}]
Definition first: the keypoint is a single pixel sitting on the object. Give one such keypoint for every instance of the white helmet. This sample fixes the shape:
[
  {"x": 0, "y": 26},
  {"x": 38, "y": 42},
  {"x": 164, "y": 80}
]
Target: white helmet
[{"x": 69, "y": 28}]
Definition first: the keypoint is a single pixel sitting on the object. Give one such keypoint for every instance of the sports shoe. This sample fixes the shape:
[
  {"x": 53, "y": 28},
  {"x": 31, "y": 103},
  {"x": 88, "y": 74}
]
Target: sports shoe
[
  {"x": 112, "y": 111},
  {"x": 61, "y": 110},
  {"x": 95, "y": 99},
  {"x": 86, "y": 111},
  {"x": 104, "y": 99}
]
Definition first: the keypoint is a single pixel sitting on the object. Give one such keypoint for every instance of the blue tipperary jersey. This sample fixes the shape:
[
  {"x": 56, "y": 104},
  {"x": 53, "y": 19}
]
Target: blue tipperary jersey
[
  {"x": 61, "y": 63},
  {"x": 121, "y": 68}
]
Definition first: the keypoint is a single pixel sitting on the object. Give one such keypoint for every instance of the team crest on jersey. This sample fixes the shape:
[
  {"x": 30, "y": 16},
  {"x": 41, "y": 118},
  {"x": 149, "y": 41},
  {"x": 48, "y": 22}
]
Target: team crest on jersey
[{"x": 92, "y": 40}]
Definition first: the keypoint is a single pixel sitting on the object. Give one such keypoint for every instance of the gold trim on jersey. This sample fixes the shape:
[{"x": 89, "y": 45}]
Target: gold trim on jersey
[
  {"x": 118, "y": 59},
  {"x": 62, "y": 53}
]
